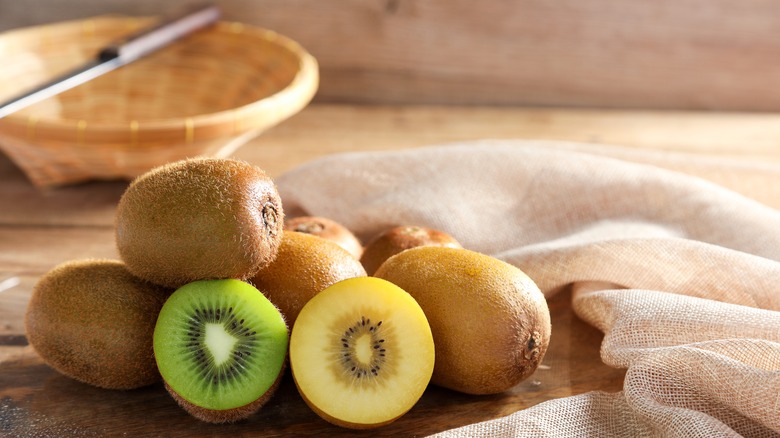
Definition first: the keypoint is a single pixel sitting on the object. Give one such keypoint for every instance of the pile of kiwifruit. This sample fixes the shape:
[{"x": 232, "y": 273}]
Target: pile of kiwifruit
[{"x": 217, "y": 294}]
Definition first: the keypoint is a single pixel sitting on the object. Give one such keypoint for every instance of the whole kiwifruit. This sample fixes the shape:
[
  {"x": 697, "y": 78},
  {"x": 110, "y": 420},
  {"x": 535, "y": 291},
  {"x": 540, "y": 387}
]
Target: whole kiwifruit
[
  {"x": 221, "y": 348},
  {"x": 397, "y": 239},
  {"x": 93, "y": 321},
  {"x": 202, "y": 218},
  {"x": 490, "y": 322},
  {"x": 304, "y": 266},
  {"x": 327, "y": 229}
]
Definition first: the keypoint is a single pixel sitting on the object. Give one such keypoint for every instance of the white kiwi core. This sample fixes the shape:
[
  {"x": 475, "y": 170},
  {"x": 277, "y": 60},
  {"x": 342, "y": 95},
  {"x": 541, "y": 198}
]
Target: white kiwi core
[
  {"x": 219, "y": 342},
  {"x": 363, "y": 350}
]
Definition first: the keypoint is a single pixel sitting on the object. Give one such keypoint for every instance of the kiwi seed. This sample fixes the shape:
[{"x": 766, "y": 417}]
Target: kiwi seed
[{"x": 354, "y": 365}]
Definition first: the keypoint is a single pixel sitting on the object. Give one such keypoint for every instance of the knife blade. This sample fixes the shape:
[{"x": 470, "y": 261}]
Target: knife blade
[{"x": 118, "y": 54}]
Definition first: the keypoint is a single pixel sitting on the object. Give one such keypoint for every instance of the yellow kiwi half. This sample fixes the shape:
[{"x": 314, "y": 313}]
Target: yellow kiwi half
[
  {"x": 196, "y": 219},
  {"x": 304, "y": 266},
  {"x": 361, "y": 353},
  {"x": 93, "y": 321},
  {"x": 490, "y": 321},
  {"x": 397, "y": 239}
]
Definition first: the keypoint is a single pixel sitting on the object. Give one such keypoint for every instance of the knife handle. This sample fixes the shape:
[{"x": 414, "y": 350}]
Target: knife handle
[{"x": 149, "y": 40}]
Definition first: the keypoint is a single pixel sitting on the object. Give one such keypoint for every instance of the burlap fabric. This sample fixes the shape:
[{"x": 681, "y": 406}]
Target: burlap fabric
[{"x": 674, "y": 257}]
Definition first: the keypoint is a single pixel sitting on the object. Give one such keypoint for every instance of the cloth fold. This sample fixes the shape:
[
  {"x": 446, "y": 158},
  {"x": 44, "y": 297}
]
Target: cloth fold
[{"x": 676, "y": 258}]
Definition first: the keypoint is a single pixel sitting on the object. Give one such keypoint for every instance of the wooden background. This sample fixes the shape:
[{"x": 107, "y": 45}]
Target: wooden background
[
  {"x": 694, "y": 76},
  {"x": 658, "y": 54}
]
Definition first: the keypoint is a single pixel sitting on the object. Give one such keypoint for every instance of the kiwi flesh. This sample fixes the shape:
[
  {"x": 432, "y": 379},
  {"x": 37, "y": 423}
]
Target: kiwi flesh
[
  {"x": 361, "y": 353},
  {"x": 93, "y": 321},
  {"x": 327, "y": 229},
  {"x": 401, "y": 238},
  {"x": 490, "y": 321},
  {"x": 304, "y": 266},
  {"x": 221, "y": 348},
  {"x": 200, "y": 218}
]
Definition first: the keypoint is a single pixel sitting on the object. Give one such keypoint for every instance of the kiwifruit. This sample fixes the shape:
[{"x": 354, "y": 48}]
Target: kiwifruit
[
  {"x": 327, "y": 229},
  {"x": 200, "y": 218},
  {"x": 397, "y": 239},
  {"x": 92, "y": 320},
  {"x": 304, "y": 266},
  {"x": 361, "y": 353},
  {"x": 221, "y": 348},
  {"x": 490, "y": 322}
]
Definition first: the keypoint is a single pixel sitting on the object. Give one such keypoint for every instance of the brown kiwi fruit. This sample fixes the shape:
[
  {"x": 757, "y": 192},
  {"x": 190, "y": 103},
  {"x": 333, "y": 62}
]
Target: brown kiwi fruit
[
  {"x": 201, "y": 218},
  {"x": 397, "y": 239},
  {"x": 93, "y": 321},
  {"x": 304, "y": 266},
  {"x": 490, "y": 322},
  {"x": 327, "y": 229}
]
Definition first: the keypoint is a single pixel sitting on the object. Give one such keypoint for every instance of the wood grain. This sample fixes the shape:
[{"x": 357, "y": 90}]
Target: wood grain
[{"x": 674, "y": 54}]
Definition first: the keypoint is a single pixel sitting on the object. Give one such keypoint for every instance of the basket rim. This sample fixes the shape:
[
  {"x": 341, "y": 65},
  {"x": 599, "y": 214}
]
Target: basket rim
[{"x": 294, "y": 96}]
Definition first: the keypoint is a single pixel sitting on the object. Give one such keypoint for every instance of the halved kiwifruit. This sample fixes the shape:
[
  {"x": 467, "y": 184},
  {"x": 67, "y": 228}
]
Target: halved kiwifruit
[
  {"x": 220, "y": 346},
  {"x": 361, "y": 353}
]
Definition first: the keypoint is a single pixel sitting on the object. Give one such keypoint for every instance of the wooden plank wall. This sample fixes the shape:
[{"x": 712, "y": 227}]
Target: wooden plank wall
[{"x": 683, "y": 54}]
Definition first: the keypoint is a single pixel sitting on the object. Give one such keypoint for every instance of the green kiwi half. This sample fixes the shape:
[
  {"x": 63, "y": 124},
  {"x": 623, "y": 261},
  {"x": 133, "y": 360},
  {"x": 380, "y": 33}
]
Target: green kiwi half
[{"x": 220, "y": 346}]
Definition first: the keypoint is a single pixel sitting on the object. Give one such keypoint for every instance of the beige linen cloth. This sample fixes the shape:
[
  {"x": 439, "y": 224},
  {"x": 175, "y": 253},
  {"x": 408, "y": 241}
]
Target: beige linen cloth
[{"x": 675, "y": 257}]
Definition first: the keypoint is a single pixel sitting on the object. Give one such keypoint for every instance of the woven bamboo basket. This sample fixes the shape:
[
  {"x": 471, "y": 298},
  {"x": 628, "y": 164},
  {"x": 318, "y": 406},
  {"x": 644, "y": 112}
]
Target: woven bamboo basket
[{"x": 205, "y": 95}]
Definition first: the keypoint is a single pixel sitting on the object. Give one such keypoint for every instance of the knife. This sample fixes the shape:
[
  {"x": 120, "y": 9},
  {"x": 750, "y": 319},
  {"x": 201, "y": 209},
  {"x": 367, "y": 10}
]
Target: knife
[{"x": 118, "y": 54}]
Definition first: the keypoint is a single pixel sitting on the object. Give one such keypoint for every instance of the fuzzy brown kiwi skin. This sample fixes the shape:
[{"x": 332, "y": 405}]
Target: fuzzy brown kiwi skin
[
  {"x": 227, "y": 415},
  {"x": 459, "y": 290},
  {"x": 200, "y": 218},
  {"x": 327, "y": 229},
  {"x": 93, "y": 321},
  {"x": 401, "y": 238},
  {"x": 304, "y": 266}
]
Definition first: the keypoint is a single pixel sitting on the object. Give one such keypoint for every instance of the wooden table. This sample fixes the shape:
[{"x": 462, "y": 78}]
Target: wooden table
[{"x": 39, "y": 229}]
